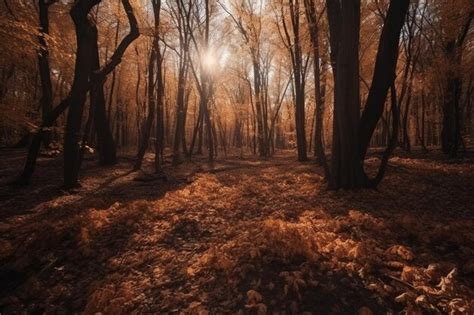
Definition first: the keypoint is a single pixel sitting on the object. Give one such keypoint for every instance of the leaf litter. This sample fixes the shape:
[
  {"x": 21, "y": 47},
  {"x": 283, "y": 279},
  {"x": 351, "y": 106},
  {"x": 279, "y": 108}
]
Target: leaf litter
[{"x": 266, "y": 238}]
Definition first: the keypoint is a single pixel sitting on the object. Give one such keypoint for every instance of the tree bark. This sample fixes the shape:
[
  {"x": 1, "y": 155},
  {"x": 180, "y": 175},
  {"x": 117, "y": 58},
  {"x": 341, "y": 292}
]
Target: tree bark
[
  {"x": 160, "y": 93},
  {"x": 35, "y": 145},
  {"x": 106, "y": 145},
  {"x": 85, "y": 37},
  {"x": 351, "y": 137},
  {"x": 146, "y": 129},
  {"x": 44, "y": 67},
  {"x": 384, "y": 72},
  {"x": 347, "y": 171},
  {"x": 451, "y": 131},
  {"x": 294, "y": 47},
  {"x": 318, "y": 94}
]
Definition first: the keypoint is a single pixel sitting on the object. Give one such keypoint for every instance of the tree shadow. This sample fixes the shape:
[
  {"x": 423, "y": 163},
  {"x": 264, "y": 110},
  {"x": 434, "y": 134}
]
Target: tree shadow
[{"x": 62, "y": 248}]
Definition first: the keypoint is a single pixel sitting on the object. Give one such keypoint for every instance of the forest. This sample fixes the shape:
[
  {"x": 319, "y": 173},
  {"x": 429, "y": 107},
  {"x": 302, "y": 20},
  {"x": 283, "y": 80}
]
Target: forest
[{"x": 236, "y": 157}]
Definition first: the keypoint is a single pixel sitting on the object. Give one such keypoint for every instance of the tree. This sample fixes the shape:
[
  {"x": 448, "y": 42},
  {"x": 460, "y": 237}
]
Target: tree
[
  {"x": 44, "y": 67},
  {"x": 203, "y": 79},
  {"x": 293, "y": 44},
  {"x": 249, "y": 24},
  {"x": 351, "y": 134},
  {"x": 151, "y": 100},
  {"x": 313, "y": 24},
  {"x": 453, "y": 51},
  {"x": 106, "y": 144},
  {"x": 182, "y": 17},
  {"x": 86, "y": 38},
  {"x": 160, "y": 91}
]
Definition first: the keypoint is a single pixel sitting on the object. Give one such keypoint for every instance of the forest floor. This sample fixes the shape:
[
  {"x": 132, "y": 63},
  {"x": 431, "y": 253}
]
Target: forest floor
[{"x": 241, "y": 236}]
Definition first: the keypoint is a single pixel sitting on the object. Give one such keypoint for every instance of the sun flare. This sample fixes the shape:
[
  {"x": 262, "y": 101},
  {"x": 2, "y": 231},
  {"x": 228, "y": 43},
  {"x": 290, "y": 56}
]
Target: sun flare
[{"x": 209, "y": 60}]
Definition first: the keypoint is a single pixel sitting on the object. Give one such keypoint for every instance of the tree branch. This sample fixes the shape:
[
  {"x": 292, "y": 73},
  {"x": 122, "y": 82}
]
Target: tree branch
[{"x": 122, "y": 47}]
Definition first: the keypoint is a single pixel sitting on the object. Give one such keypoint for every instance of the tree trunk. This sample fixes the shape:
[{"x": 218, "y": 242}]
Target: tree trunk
[
  {"x": 44, "y": 68},
  {"x": 146, "y": 130},
  {"x": 159, "y": 144},
  {"x": 384, "y": 72},
  {"x": 347, "y": 171},
  {"x": 294, "y": 47},
  {"x": 451, "y": 132},
  {"x": 179, "y": 128},
  {"x": 196, "y": 131},
  {"x": 351, "y": 137},
  {"x": 35, "y": 145},
  {"x": 258, "y": 105},
  {"x": 85, "y": 37},
  {"x": 318, "y": 94},
  {"x": 105, "y": 140}
]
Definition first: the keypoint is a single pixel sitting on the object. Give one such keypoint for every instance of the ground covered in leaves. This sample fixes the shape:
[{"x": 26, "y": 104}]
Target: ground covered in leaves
[{"x": 241, "y": 236}]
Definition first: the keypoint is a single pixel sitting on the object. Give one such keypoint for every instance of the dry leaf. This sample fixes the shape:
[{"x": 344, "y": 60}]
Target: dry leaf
[
  {"x": 401, "y": 251},
  {"x": 253, "y": 297},
  {"x": 364, "y": 310}
]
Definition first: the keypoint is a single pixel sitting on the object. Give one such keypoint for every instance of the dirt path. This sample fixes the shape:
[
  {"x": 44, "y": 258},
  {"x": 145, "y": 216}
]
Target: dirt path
[{"x": 249, "y": 236}]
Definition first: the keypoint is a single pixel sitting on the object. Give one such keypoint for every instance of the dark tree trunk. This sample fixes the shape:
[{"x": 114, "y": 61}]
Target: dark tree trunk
[
  {"x": 85, "y": 37},
  {"x": 44, "y": 68},
  {"x": 146, "y": 129},
  {"x": 214, "y": 143},
  {"x": 106, "y": 145},
  {"x": 258, "y": 105},
  {"x": 196, "y": 131},
  {"x": 7, "y": 74},
  {"x": 184, "y": 146},
  {"x": 211, "y": 138},
  {"x": 347, "y": 170},
  {"x": 112, "y": 83},
  {"x": 423, "y": 124},
  {"x": 294, "y": 47},
  {"x": 179, "y": 128},
  {"x": 405, "y": 131},
  {"x": 334, "y": 15},
  {"x": 160, "y": 93},
  {"x": 87, "y": 136},
  {"x": 351, "y": 137},
  {"x": 318, "y": 94},
  {"x": 184, "y": 18},
  {"x": 392, "y": 139},
  {"x": 451, "y": 132},
  {"x": 384, "y": 72},
  {"x": 35, "y": 144}
]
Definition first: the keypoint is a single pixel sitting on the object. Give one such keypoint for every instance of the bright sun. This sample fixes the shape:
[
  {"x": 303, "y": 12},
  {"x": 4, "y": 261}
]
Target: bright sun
[{"x": 209, "y": 60}]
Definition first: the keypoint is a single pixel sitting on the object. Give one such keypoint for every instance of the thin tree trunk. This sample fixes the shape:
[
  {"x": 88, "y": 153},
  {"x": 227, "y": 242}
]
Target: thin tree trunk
[
  {"x": 44, "y": 67},
  {"x": 146, "y": 130},
  {"x": 318, "y": 94}
]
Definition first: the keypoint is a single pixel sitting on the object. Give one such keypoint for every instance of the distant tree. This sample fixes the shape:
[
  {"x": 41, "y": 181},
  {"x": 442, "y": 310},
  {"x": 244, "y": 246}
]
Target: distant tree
[
  {"x": 44, "y": 66},
  {"x": 203, "y": 77},
  {"x": 248, "y": 20},
  {"x": 293, "y": 42},
  {"x": 318, "y": 63},
  {"x": 182, "y": 17}
]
